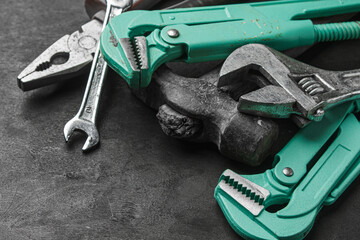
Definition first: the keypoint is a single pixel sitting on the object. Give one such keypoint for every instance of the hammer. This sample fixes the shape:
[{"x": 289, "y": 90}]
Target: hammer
[{"x": 195, "y": 109}]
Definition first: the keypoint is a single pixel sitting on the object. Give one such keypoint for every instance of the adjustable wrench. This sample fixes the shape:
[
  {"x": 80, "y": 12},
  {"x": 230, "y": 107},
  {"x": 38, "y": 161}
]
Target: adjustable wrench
[
  {"x": 85, "y": 119},
  {"x": 287, "y": 87}
]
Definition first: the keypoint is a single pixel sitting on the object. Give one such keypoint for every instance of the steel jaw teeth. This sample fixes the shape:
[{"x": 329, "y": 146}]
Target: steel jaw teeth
[
  {"x": 248, "y": 194},
  {"x": 135, "y": 52},
  {"x": 141, "y": 52}
]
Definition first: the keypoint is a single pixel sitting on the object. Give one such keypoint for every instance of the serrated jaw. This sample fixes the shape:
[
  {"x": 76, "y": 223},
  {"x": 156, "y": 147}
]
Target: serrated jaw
[{"x": 248, "y": 194}]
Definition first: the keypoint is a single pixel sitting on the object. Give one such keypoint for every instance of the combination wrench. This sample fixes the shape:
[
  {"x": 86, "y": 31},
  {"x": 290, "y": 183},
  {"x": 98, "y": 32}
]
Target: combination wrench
[{"x": 85, "y": 119}]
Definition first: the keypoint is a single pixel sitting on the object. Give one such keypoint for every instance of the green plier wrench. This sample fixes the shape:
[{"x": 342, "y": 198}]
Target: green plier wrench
[
  {"x": 136, "y": 43},
  {"x": 312, "y": 171}
]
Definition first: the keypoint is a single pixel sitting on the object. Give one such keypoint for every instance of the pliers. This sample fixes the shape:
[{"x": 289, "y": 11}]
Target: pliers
[{"x": 72, "y": 54}]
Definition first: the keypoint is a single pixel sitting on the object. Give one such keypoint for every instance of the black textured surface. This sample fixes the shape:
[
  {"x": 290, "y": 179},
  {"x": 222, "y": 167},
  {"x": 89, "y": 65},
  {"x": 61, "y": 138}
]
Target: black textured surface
[{"x": 140, "y": 184}]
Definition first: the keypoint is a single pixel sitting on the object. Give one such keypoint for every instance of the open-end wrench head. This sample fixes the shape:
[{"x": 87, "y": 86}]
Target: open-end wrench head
[
  {"x": 93, "y": 6},
  {"x": 123, "y": 4},
  {"x": 77, "y": 124}
]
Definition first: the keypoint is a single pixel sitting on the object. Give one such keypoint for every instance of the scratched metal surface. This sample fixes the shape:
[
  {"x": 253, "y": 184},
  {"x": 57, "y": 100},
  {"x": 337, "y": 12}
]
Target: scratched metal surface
[{"x": 139, "y": 184}]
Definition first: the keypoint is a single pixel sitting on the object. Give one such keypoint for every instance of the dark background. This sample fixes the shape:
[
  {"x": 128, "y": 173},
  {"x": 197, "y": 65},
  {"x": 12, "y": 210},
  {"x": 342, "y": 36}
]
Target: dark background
[{"x": 140, "y": 184}]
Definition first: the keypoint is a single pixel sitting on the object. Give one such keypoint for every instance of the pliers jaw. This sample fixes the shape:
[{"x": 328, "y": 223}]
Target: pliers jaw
[{"x": 67, "y": 57}]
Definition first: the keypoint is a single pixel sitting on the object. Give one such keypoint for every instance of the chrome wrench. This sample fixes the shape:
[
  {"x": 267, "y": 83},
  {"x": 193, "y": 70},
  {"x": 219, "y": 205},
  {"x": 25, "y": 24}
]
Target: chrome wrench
[{"x": 85, "y": 119}]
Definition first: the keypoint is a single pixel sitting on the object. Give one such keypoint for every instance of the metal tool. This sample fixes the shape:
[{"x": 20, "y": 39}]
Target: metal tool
[
  {"x": 137, "y": 43},
  {"x": 194, "y": 109},
  {"x": 312, "y": 171},
  {"x": 66, "y": 58},
  {"x": 288, "y": 86},
  {"x": 72, "y": 54},
  {"x": 85, "y": 119},
  {"x": 95, "y": 6}
]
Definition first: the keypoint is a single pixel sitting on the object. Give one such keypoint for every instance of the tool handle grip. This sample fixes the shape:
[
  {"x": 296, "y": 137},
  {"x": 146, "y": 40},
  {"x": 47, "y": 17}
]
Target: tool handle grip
[
  {"x": 312, "y": 138},
  {"x": 94, "y": 6},
  {"x": 334, "y": 165}
]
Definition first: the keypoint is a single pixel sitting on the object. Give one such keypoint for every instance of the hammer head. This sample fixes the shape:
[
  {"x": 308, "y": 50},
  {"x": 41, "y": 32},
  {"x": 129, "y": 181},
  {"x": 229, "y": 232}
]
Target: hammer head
[{"x": 195, "y": 109}]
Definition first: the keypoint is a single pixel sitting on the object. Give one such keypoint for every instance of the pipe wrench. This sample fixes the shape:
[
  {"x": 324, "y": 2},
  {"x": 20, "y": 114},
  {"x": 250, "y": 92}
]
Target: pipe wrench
[
  {"x": 135, "y": 44},
  {"x": 310, "y": 172}
]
